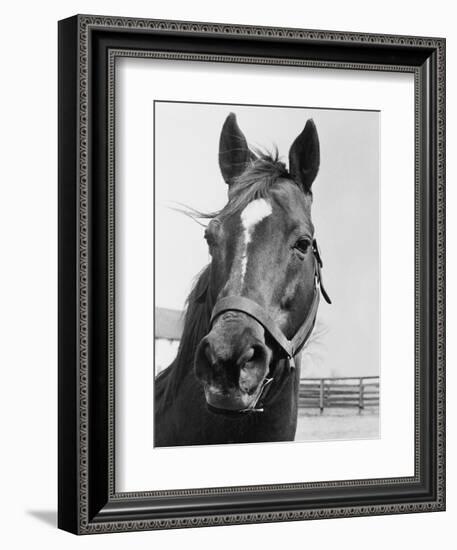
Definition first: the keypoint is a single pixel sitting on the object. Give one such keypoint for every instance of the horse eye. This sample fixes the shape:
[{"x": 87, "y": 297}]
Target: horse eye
[{"x": 302, "y": 245}]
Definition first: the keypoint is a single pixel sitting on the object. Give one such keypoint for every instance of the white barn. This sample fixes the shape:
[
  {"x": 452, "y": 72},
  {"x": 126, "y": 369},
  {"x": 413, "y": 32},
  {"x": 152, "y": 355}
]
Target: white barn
[{"x": 168, "y": 329}]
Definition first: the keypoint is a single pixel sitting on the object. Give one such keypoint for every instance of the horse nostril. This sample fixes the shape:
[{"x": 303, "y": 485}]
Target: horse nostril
[
  {"x": 208, "y": 355},
  {"x": 253, "y": 356},
  {"x": 247, "y": 356},
  {"x": 203, "y": 360},
  {"x": 253, "y": 369}
]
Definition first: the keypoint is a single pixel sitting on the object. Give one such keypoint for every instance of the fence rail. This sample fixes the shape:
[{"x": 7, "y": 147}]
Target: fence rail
[{"x": 359, "y": 392}]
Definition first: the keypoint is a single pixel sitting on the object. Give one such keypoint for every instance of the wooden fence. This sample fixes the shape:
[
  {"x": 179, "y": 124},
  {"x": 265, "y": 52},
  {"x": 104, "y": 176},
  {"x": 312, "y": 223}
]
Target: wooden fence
[{"x": 358, "y": 392}]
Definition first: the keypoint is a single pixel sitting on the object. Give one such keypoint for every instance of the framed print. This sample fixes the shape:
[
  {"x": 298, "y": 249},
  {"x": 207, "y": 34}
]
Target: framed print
[{"x": 251, "y": 274}]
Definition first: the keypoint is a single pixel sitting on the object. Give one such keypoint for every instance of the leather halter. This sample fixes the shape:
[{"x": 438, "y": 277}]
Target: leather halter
[
  {"x": 251, "y": 308},
  {"x": 254, "y": 310}
]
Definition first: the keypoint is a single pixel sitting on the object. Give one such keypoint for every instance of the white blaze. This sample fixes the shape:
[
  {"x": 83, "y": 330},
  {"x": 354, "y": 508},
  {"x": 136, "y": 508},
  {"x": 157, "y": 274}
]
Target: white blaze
[{"x": 253, "y": 213}]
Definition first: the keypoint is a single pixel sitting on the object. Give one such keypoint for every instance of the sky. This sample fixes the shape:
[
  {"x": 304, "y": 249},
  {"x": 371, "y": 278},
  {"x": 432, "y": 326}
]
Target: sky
[{"x": 345, "y": 214}]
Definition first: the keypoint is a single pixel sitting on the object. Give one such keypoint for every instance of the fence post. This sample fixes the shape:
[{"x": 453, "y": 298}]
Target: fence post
[
  {"x": 360, "y": 395},
  {"x": 321, "y": 396}
]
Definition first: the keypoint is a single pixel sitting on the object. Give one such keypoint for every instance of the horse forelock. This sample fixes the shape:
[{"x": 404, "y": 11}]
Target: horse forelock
[{"x": 256, "y": 182}]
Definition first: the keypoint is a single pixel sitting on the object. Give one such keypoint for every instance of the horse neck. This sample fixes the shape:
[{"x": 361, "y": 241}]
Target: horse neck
[{"x": 288, "y": 380}]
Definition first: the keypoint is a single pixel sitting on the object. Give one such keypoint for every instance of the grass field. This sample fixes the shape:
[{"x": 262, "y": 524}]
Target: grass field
[{"x": 337, "y": 424}]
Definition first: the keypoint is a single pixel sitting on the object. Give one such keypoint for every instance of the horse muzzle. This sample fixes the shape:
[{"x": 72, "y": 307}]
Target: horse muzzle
[{"x": 232, "y": 363}]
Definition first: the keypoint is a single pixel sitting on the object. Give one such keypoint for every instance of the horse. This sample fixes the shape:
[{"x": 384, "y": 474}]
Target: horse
[{"x": 236, "y": 375}]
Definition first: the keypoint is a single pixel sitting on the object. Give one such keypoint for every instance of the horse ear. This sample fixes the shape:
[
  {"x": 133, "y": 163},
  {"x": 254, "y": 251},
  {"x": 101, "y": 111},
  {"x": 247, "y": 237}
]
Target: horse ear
[
  {"x": 304, "y": 157},
  {"x": 234, "y": 153}
]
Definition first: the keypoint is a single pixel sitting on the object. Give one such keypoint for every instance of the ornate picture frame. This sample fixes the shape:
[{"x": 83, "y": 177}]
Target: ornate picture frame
[{"x": 88, "y": 48}]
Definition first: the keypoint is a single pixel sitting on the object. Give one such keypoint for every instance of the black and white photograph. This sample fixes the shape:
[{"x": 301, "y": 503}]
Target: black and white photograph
[{"x": 266, "y": 274}]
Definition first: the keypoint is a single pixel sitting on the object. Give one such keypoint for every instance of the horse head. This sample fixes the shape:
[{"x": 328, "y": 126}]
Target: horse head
[{"x": 265, "y": 268}]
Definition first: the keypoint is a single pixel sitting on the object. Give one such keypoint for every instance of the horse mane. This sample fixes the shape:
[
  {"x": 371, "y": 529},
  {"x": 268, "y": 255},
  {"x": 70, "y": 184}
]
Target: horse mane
[
  {"x": 254, "y": 183},
  {"x": 199, "y": 305}
]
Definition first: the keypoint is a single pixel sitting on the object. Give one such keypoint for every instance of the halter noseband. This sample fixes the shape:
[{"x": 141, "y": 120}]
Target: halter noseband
[{"x": 254, "y": 310}]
